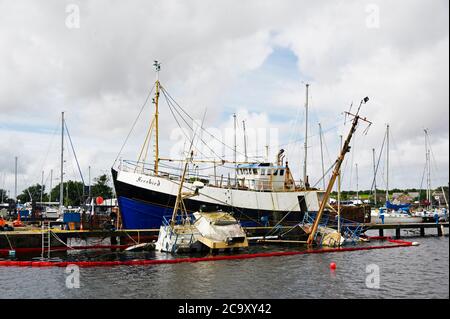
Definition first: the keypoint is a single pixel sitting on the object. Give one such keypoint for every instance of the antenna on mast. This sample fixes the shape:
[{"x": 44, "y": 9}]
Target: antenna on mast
[{"x": 157, "y": 66}]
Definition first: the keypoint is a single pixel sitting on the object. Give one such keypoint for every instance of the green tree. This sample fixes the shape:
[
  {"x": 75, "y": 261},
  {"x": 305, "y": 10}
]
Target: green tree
[
  {"x": 73, "y": 193},
  {"x": 101, "y": 187},
  {"x": 33, "y": 193}
]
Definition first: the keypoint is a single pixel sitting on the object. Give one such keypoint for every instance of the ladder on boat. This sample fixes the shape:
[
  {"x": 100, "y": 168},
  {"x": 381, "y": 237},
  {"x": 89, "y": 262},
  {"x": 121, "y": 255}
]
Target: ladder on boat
[{"x": 46, "y": 238}]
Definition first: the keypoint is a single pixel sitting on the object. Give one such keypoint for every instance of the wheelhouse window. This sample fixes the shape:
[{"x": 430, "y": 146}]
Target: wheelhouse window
[{"x": 281, "y": 172}]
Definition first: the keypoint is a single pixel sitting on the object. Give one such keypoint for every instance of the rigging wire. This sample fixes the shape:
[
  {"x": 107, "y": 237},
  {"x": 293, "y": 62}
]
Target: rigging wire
[
  {"x": 378, "y": 163},
  {"x": 192, "y": 119},
  {"x": 172, "y": 108},
  {"x": 73, "y": 151},
  {"x": 134, "y": 124}
]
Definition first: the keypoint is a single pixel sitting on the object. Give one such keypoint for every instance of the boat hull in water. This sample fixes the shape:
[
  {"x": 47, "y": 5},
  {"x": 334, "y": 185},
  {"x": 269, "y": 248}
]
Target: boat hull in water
[{"x": 144, "y": 200}]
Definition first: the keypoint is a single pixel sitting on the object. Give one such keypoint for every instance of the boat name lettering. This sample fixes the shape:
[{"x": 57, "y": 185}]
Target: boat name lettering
[{"x": 148, "y": 181}]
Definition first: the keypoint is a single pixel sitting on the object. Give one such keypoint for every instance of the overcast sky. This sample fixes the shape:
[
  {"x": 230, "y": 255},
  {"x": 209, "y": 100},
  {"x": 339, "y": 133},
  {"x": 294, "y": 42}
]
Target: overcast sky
[{"x": 94, "y": 60}]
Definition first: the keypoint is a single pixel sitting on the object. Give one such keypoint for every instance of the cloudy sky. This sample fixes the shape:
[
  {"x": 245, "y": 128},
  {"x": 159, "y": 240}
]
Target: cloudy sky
[{"x": 94, "y": 60}]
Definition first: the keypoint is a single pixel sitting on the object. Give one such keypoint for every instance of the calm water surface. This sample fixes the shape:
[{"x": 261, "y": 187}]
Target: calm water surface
[{"x": 412, "y": 272}]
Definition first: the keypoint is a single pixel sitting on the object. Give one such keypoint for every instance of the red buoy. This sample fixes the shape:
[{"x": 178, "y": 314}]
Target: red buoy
[
  {"x": 332, "y": 266},
  {"x": 99, "y": 200}
]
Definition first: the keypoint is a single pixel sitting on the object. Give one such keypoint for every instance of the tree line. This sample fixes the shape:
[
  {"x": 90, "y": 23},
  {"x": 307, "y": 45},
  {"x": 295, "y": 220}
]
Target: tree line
[
  {"x": 75, "y": 192},
  {"x": 347, "y": 195}
]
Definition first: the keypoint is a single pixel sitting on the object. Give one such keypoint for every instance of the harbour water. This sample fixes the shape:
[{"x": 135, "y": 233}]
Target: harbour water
[{"x": 406, "y": 272}]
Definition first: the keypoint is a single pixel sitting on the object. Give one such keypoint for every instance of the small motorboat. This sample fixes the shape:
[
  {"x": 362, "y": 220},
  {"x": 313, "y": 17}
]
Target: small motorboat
[{"x": 220, "y": 230}]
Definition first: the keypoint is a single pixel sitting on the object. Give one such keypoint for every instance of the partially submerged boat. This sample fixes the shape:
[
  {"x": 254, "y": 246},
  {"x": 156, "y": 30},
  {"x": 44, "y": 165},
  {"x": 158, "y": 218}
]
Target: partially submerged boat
[
  {"x": 220, "y": 230},
  {"x": 185, "y": 232}
]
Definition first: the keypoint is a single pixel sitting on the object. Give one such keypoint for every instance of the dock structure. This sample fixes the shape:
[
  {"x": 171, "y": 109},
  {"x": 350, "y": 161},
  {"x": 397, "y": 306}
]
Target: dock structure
[
  {"x": 32, "y": 238},
  {"x": 399, "y": 226}
]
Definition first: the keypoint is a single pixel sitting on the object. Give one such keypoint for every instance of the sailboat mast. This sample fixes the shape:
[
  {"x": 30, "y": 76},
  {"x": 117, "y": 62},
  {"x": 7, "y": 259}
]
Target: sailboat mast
[
  {"x": 157, "y": 66},
  {"x": 427, "y": 158},
  {"x": 321, "y": 155},
  {"x": 339, "y": 192},
  {"x": 387, "y": 162},
  {"x": 306, "y": 138},
  {"x": 61, "y": 185},
  {"x": 235, "y": 149},
  {"x": 374, "y": 178},
  {"x": 245, "y": 142},
  {"x": 51, "y": 185},
  {"x": 357, "y": 183},
  {"x": 89, "y": 191},
  {"x": 15, "y": 178},
  {"x": 42, "y": 186}
]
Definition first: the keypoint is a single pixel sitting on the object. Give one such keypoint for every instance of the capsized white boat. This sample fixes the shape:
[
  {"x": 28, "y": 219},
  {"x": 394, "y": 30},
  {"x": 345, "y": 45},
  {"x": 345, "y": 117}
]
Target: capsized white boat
[
  {"x": 220, "y": 230},
  {"x": 177, "y": 239}
]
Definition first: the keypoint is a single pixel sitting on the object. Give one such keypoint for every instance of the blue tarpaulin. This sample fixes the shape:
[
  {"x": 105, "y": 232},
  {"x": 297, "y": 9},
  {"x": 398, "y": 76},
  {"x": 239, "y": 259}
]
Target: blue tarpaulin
[{"x": 389, "y": 205}]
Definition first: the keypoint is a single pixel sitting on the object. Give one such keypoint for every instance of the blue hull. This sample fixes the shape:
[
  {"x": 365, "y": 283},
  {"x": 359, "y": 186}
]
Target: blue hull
[{"x": 140, "y": 215}]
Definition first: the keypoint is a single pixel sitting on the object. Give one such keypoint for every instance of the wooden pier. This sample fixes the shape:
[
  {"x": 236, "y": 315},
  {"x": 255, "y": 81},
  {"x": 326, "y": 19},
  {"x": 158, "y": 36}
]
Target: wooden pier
[{"x": 399, "y": 226}]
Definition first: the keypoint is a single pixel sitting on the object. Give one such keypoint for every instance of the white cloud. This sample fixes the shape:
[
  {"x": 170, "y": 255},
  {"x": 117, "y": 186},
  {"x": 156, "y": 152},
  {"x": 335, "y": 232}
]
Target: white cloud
[{"x": 100, "y": 74}]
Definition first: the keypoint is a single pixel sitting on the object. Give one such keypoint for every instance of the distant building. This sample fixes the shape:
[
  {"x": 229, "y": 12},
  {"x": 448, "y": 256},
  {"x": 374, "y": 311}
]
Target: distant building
[{"x": 401, "y": 198}]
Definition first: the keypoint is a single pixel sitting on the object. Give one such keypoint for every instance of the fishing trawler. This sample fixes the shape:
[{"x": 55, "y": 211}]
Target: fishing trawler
[{"x": 258, "y": 193}]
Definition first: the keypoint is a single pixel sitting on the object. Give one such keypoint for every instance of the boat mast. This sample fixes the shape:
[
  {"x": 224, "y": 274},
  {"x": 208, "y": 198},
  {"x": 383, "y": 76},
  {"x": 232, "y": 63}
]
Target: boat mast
[
  {"x": 337, "y": 168},
  {"x": 245, "y": 142},
  {"x": 374, "y": 178},
  {"x": 321, "y": 155},
  {"x": 42, "y": 185},
  {"x": 357, "y": 183},
  {"x": 235, "y": 149},
  {"x": 51, "y": 185},
  {"x": 179, "y": 201},
  {"x": 427, "y": 158},
  {"x": 15, "y": 178},
  {"x": 305, "y": 177},
  {"x": 387, "y": 162},
  {"x": 89, "y": 191},
  {"x": 339, "y": 193},
  {"x": 61, "y": 185},
  {"x": 157, "y": 66}
]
